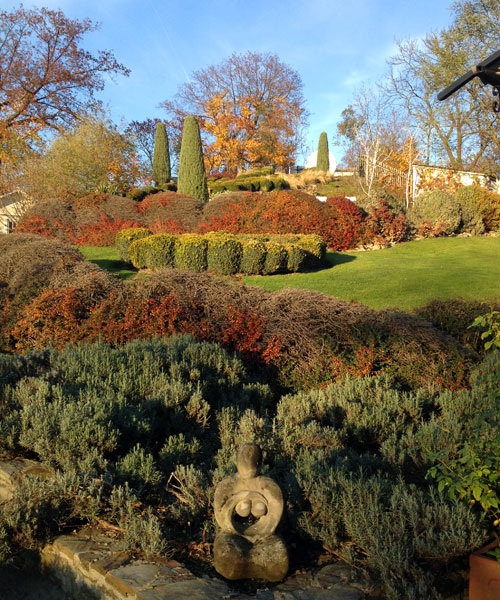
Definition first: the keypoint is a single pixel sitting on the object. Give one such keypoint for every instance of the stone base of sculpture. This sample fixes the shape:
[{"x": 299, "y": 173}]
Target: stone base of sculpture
[
  {"x": 237, "y": 558},
  {"x": 248, "y": 508}
]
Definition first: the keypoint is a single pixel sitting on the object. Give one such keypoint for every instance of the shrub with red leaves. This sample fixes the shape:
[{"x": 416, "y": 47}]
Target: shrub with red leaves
[
  {"x": 384, "y": 226},
  {"x": 290, "y": 211},
  {"x": 103, "y": 233}
]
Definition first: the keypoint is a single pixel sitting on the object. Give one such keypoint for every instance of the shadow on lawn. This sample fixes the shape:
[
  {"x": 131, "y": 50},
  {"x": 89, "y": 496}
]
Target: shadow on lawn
[
  {"x": 117, "y": 267},
  {"x": 338, "y": 258}
]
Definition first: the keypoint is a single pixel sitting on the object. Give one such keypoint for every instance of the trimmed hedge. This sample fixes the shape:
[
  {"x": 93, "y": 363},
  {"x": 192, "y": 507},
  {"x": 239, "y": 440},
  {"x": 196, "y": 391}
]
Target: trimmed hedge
[
  {"x": 276, "y": 259},
  {"x": 191, "y": 252},
  {"x": 125, "y": 237},
  {"x": 137, "y": 252},
  {"x": 297, "y": 258},
  {"x": 253, "y": 256},
  {"x": 261, "y": 180},
  {"x": 222, "y": 252},
  {"x": 160, "y": 251},
  {"x": 153, "y": 252}
]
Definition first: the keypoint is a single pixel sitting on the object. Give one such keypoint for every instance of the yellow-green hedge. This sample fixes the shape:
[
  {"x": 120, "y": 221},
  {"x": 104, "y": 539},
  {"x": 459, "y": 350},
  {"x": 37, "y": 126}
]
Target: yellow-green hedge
[
  {"x": 253, "y": 256},
  {"x": 191, "y": 252},
  {"x": 223, "y": 252},
  {"x": 276, "y": 259},
  {"x": 125, "y": 237}
]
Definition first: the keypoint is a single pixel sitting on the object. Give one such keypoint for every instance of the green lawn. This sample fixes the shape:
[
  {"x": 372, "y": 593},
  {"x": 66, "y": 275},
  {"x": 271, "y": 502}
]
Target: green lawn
[
  {"x": 405, "y": 276},
  {"x": 107, "y": 258}
]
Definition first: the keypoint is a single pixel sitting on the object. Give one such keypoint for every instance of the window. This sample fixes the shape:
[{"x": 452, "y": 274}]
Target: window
[{"x": 11, "y": 225}]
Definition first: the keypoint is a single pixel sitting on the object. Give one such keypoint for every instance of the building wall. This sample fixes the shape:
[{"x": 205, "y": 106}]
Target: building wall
[{"x": 427, "y": 178}]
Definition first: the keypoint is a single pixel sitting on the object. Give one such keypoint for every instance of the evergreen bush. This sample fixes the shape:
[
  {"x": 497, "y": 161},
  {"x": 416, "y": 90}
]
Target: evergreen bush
[
  {"x": 125, "y": 237},
  {"x": 468, "y": 199},
  {"x": 159, "y": 251},
  {"x": 138, "y": 252},
  {"x": 297, "y": 258},
  {"x": 323, "y": 159},
  {"x": 489, "y": 206},
  {"x": 161, "y": 156},
  {"x": 276, "y": 259},
  {"x": 253, "y": 256},
  {"x": 192, "y": 179},
  {"x": 224, "y": 252},
  {"x": 279, "y": 183},
  {"x": 435, "y": 213},
  {"x": 315, "y": 246},
  {"x": 191, "y": 252}
]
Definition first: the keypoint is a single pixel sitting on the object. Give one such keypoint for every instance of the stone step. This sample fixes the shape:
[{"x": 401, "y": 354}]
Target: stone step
[{"x": 89, "y": 565}]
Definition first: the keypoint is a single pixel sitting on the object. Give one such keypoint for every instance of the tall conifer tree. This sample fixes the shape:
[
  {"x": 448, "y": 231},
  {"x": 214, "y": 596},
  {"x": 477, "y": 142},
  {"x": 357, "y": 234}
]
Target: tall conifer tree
[
  {"x": 323, "y": 160},
  {"x": 161, "y": 156},
  {"x": 192, "y": 179}
]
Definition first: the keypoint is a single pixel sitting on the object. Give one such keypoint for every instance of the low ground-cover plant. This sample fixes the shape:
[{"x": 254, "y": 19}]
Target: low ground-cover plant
[
  {"x": 222, "y": 252},
  {"x": 308, "y": 337},
  {"x": 142, "y": 433},
  {"x": 94, "y": 219},
  {"x": 455, "y": 316}
]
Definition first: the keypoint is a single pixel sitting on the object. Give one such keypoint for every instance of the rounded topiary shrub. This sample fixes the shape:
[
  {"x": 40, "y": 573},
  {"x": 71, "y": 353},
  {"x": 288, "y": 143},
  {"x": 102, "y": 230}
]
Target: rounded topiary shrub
[
  {"x": 191, "y": 252},
  {"x": 223, "y": 253},
  {"x": 298, "y": 258},
  {"x": 266, "y": 184},
  {"x": 159, "y": 251},
  {"x": 435, "y": 213},
  {"x": 276, "y": 259},
  {"x": 125, "y": 237},
  {"x": 279, "y": 183},
  {"x": 137, "y": 252},
  {"x": 253, "y": 257},
  {"x": 315, "y": 246}
]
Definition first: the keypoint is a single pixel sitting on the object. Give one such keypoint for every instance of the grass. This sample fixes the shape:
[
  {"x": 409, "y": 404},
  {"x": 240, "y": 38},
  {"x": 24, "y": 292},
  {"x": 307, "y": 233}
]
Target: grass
[
  {"x": 405, "y": 276},
  {"x": 340, "y": 187},
  {"x": 107, "y": 258}
]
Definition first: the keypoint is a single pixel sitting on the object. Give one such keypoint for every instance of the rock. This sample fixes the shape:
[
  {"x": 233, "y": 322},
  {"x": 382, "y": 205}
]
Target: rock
[
  {"x": 237, "y": 558},
  {"x": 12, "y": 472},
  {"x": 191, "y": 589}
]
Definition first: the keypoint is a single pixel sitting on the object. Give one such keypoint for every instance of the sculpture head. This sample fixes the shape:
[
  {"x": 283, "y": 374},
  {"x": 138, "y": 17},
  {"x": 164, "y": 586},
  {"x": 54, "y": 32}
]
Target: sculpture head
[{"x": 248, "y": 460}]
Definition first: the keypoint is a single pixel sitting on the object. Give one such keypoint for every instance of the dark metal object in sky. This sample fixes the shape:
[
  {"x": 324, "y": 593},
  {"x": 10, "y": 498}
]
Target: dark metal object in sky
[{"x": 488, "y": 72}]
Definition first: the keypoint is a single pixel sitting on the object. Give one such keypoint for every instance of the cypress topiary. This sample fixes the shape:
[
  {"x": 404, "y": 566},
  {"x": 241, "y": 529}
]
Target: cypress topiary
[
  {"x": 161, "y": 157},
  {"x": 323, "y": 160},
  {"x": 192, "y": 179}
]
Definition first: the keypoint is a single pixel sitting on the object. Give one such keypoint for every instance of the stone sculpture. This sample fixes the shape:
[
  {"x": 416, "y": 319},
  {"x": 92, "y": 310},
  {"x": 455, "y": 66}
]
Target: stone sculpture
[{"x": 248, "y": 508}]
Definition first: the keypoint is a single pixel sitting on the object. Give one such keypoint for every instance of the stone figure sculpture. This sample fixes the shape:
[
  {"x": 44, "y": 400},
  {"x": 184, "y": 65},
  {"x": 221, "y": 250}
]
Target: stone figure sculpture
[{"x": 248, "y": 508}]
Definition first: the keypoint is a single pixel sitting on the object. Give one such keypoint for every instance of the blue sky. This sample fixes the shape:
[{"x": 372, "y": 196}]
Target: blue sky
[{"x": 335, "y": 45}]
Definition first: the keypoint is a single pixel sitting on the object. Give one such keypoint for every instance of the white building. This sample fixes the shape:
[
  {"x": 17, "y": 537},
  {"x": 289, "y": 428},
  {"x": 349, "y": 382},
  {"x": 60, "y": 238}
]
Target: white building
[{"x": 12, "y": 207}]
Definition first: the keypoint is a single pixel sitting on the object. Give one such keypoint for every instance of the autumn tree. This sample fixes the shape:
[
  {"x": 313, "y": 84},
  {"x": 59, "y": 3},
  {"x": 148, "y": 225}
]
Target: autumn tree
[
  {"x": 92, "y": 156},
  {"x": 46, "y": 77},
  {"x": 323, "y": 160},
  {"x": 161, "y": 156},
  {"x": 250, "y": 109},
  {"x": 192, "y": 179}
]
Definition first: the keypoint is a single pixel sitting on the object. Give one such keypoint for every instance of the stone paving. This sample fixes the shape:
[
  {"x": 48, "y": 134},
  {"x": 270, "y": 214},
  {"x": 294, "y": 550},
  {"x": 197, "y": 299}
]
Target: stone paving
[{"x": 89, "y": 565}]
